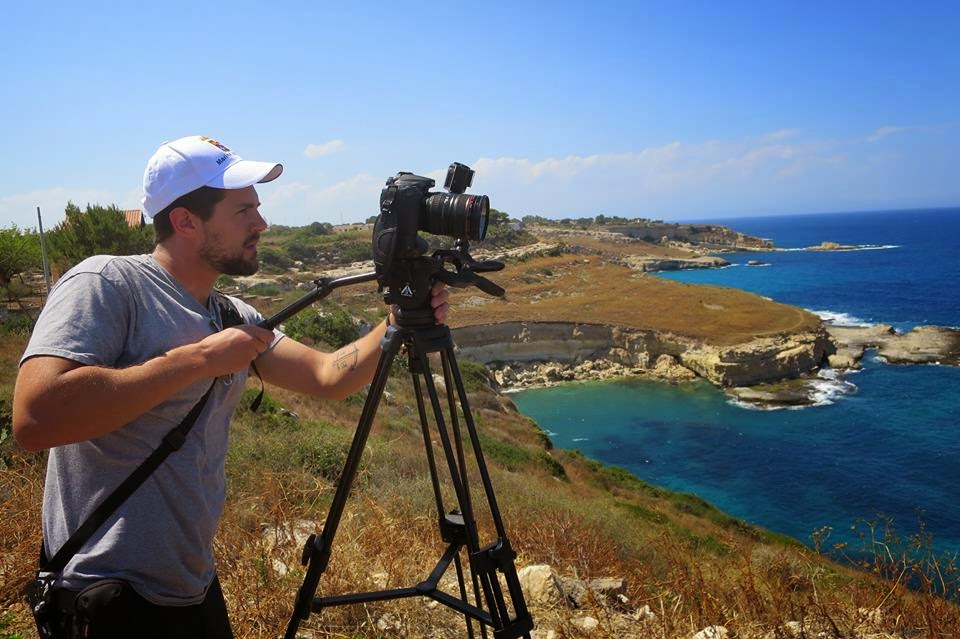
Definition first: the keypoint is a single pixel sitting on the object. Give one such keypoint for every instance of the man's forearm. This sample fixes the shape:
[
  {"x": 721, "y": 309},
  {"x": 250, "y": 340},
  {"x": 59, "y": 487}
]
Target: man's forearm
[{"x": 58, "y": 402}]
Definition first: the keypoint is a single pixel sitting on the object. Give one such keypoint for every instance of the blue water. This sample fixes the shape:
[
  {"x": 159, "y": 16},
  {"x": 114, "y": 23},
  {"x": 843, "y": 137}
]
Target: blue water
[
  {"x": 889, "y": 447},
  {"x": 912, "y": 277}
]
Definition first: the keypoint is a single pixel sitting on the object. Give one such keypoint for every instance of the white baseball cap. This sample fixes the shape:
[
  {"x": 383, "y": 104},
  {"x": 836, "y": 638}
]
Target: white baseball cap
[{"x": 184, "y": 165}]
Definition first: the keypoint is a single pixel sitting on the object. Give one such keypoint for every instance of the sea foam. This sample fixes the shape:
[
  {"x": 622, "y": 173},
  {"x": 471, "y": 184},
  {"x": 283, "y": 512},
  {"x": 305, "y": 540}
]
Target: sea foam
[{"x": 837, "y": 318}]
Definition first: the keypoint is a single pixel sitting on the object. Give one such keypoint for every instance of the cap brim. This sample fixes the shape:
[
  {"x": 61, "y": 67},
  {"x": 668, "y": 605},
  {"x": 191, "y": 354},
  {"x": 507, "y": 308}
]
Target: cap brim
[{"x": 244, "y": 173}]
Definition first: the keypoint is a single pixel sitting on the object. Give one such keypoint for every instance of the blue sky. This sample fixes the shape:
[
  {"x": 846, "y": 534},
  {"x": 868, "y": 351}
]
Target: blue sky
[{"x": 668, "y": 110}]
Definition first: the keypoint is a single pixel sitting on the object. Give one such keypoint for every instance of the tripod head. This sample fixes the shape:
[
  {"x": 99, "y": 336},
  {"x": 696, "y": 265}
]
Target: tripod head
[{"x": 408, "y": 282}]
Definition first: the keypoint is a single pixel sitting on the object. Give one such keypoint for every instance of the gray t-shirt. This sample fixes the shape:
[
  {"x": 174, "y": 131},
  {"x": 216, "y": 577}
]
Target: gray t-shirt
[{"x": 119, "y": 312}]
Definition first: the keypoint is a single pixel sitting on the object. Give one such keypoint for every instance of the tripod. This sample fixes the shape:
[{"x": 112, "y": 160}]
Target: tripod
[{"x": 415, "y": 330}]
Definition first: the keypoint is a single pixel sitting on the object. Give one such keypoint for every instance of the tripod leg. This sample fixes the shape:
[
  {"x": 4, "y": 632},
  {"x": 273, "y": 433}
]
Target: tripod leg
[
  {"x": 428, "y": 445},
  {"x": 316, "y": 553},
  {"x": 501, "y": 554}
]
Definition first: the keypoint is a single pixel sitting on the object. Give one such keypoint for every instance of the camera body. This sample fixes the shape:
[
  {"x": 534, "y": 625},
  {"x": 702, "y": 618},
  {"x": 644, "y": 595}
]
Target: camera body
[{"x": 407, "y": 206}]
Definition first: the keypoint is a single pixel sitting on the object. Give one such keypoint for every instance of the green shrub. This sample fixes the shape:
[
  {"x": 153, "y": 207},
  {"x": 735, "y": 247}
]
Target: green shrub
[
  {"x": 475, "y": 376},
  {"x": 5, "y": 620},
  {"x": 333, "y": 327},
  {"x": 264, "y": 289},
  {"x": 16, "y": 324},
  {"x": 554, "y": 467}
]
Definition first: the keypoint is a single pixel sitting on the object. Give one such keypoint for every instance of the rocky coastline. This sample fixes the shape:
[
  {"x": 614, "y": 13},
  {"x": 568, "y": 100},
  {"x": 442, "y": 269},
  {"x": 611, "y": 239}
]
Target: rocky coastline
[
  {"x": 528, "y": 354},
  {"x": 769, "y": 372}
]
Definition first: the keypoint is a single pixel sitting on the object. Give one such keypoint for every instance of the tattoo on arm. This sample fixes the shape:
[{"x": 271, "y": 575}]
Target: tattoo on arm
[{"x": 346, "y": 358}]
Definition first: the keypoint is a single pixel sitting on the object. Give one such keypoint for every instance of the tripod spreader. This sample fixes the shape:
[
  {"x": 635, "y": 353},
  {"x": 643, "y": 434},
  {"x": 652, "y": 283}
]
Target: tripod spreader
[{"x": 325, "y": 286}]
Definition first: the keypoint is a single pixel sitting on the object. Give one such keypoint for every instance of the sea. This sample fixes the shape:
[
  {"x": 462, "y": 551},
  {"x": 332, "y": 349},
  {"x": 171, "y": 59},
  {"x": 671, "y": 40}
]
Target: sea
[{"x": 881, "y": 448}]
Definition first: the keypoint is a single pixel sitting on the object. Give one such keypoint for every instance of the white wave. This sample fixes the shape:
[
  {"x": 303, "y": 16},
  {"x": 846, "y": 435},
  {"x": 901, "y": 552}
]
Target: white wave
[
  {"x": 581, "y": 439},
  {"x": 829, "y": 387},
  {"x": 847, "y": 247},
  {"x": 838, "y": 318},
  {"x": 733, "y": 401}
]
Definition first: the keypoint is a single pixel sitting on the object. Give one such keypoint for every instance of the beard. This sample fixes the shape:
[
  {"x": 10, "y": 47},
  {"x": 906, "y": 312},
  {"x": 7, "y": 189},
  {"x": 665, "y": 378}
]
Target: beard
[{"x": 226, "y": 262}]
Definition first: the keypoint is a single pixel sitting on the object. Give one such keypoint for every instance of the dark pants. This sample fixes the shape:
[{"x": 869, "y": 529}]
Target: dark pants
[{"x": 120, "y": 613}]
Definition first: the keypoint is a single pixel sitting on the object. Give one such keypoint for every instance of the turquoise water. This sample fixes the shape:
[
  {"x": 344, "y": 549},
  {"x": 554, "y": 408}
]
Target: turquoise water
[{"x": 885, "y": 442}]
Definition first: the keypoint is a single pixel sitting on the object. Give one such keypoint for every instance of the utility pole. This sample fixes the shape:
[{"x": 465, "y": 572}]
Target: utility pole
[{"x": 43, "y": 252}]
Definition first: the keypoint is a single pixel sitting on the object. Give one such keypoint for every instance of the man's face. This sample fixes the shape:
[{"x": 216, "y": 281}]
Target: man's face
[{"x": 231, "y": 233}]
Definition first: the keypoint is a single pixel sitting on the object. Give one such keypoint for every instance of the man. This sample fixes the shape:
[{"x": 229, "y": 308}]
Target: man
[{"x": 123, "y": 350}]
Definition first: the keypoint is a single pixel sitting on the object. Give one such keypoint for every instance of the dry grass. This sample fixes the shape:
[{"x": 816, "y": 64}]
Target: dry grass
[{"x": 574, "y": 288}]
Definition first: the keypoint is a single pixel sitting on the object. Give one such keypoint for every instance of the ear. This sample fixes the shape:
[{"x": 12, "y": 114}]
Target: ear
[{"x": 183, "y": 221}]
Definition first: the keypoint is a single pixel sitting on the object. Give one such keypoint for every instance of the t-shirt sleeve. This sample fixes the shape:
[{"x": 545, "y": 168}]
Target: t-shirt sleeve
[
  {"x": 251, "y": 315},
  {"x": 85, "y": 319}
]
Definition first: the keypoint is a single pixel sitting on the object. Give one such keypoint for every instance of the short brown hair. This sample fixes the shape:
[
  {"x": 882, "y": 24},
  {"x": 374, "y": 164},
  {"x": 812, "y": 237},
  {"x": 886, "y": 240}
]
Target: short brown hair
[{"x": 199, "y": 202}]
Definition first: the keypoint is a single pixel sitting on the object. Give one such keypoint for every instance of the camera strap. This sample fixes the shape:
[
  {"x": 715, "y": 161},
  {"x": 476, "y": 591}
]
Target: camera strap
[{"x": 172, "y": 441}]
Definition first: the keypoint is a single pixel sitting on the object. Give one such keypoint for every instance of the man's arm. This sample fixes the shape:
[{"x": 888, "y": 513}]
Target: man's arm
[
  {"x": 59, "y": 401},
  {"x": 336, "y": 375}
]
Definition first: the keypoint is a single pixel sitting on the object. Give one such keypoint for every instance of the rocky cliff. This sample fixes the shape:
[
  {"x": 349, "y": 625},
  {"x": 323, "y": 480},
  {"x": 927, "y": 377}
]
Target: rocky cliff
[
  {"x": 577, "y": 350},
  {"x": 704, "y": 235}
]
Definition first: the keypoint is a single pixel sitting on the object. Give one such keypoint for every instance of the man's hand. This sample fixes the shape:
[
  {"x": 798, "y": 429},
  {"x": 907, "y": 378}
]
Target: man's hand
[
  {"x": 233, "y": 349},
  {"x": 439, "y": 300}
]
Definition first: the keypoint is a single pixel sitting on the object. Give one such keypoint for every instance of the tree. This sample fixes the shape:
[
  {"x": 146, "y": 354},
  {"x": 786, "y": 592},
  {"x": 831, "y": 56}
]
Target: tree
[
  {"x": 534, "y": 219},
  {"x": 97, "y": 231},
  {"x": 498, "y": 218},
  {"x": 19, "y": 252}
]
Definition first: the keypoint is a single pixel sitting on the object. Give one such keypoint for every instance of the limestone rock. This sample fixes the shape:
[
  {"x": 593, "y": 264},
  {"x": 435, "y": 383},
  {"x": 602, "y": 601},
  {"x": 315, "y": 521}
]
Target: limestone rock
[
  {"x": 712, "y": 632},
  {"x": 585, "y": 624},
  {"x": 667, "y": 367},
  {"x": 540, "y": 586},
  {"x": 574, "y": 591},
  {"x": 644, "y": 615},
  {"x": 922, "y": 345}
]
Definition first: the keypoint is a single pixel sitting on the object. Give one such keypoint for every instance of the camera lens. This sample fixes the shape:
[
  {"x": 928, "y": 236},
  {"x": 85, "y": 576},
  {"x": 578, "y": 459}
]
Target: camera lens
[{"x": 456, "y": 215}]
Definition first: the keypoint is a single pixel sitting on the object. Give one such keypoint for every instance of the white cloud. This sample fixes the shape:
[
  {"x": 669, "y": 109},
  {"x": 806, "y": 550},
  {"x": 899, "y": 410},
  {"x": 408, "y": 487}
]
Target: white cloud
[
  {"x": 327, "y": 148},
  {"x": 712, "y": 177},
  {"x": 783, "y": 134},
  {"x": 885, "y": 131}
]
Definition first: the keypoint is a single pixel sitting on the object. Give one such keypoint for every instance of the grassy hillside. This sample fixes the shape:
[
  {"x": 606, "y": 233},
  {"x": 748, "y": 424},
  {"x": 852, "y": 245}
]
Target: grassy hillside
[{"x": 690, "y": 564}]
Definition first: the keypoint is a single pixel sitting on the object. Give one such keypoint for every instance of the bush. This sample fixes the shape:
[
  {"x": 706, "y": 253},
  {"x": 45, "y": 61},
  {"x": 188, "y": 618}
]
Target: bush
[
  {"x": 16, "y": 324},
  {"x": 270, "y": 257},
  {"x": 475, "y": 376},
  {"x": 19, "y": 251},
  {"x": 264, "y": 289},
  {"x": 335, "y": 327}
]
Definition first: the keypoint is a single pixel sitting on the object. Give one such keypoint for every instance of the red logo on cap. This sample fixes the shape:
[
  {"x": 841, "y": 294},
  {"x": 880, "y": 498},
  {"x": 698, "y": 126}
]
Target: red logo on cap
[{"x": 216, "y": 144}]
